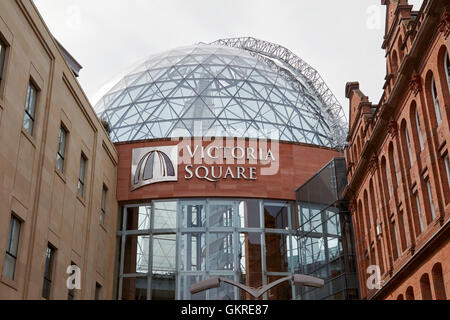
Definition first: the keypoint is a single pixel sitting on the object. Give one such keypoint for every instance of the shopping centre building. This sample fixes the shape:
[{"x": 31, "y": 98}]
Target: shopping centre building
[{"x": 226, "y": 159}]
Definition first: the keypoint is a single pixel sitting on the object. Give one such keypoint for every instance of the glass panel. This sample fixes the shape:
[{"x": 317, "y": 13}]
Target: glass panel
[
  {"x": 164, "y": 267},
  {"x": 9, "y": 267},
  {"x": 193, "y": 215},
  {"x": 250, "y": 266},
  {"x": 14, "y": 239},
  {"x": 249, "y": 214},
  {"x": 224, "y": 292},
  {"x": 2, "y": 59},
  {"x": 193, "y": 252},
  {"x": 62, "y": 142},
  {"x": 136, "y": 254},
  {"x": 28, "y": 123},
  {"x": 165, "y": 215},
  {"x": 134, "y": 289},
  {"x": 138, "y": 218},
  {"x": 276, "y": 216},
  {"x": 186, "y": 281},
  {"x": 281, "y": 292},
  {"x": 277, "y": 253},
  {"x": 221, "y": 214},
  {"x": 221, "y": 251},
  {"x": 164, "y": 254}
]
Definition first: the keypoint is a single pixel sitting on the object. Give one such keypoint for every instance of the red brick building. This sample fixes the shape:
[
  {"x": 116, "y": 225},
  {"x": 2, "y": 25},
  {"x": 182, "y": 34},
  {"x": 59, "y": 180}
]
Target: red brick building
[{"x": 398, "y": 159}]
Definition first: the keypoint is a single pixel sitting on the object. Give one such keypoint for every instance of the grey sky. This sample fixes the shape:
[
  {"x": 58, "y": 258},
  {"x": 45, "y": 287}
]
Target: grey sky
[{"x": 341, "y": 39}]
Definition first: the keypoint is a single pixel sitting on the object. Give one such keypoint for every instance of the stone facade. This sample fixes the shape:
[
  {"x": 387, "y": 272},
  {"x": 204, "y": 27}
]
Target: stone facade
[
  {"x": 397, "y": 158},
  {"x": 46, "y": 201}
]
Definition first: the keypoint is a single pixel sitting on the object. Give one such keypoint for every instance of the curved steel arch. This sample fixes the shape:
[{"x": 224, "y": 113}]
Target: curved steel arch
[{"x": 332, "y": 110}]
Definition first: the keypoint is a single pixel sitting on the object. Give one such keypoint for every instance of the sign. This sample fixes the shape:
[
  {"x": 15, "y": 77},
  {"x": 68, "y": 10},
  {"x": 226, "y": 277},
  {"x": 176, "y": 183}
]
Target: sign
[
  {"x": 154, "y": 165},
  {"x": 212, "y": 163}
]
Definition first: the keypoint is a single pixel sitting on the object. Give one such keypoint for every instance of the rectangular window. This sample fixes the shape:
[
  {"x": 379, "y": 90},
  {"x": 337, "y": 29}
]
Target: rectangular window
[
  {"x": 447, "y": 168},
  {"x": 419, "y": 132},
  {"x": 81, "y": 176},
  {"x": 396, "y": 168},
  {"x": 61, "y": 149},
  {"x": 404, "y": 233},
  {"x": 388, "y": 182},
  {"x": 12, "y": 248},
  {"x": 397, "y": 244},
  {"x": 98, "y": 291},
  {"x": 2, "y": 59},
  {"x": 30, "y": 109},
  {"x": 103, "y": 209},
  {"x": 48, "y": 273},
  {"x": 419, "y": 213},
  {"x": 408, "y": 142},
  {"x": 430, "y": 197}
]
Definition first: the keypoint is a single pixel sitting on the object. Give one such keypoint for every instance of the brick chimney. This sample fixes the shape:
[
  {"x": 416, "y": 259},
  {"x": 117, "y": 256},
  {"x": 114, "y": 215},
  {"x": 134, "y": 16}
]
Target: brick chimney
[{"x": 357, "y": 100}]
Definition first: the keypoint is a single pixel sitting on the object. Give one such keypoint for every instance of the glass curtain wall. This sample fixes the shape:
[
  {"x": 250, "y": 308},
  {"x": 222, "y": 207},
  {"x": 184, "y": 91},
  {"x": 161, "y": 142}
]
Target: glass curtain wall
[
  {"x": 167, "y": 246},
  {"x": 325, "y": 237}
]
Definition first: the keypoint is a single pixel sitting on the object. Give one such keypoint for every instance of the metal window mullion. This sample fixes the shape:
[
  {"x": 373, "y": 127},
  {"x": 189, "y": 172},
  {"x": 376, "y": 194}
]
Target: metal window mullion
[
  {"x": 150, "y": 253},
  {"x": 122, "y": 251}
]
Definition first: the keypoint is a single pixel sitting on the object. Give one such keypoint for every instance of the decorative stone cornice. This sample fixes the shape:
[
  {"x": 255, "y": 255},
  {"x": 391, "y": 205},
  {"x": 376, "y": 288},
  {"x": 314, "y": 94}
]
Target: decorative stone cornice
[
  {"x": 392, "y": 128},
  {"x": 444, "y": 25},
  {"x": 415, "y": 85},
  {"x": 373, "y": 164}
]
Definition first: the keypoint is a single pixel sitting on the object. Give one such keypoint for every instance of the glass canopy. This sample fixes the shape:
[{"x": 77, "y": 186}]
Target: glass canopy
[{"x": 214, "y": 90}]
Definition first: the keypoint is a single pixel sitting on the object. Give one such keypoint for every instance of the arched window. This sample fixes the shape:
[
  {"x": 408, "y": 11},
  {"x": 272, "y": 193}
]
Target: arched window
[
  {"x": 419, "y": 212},
  {"x": 447, "y": 69},
  {"x": 373, "y": 205},
  {"x": 395, "y": 168},
  {"x": 387, "y": 182},
  {"x": 419, "y": 128},
  {"x": 438, "y": 282},
  {"x": 367, "y": 213},
  {"x": 437, "y": 108},
  {"x": 394, "y": 62},
  {"x": 400, "y": 297},
  {"x": 408, "y": 143},
  {"x": 425, "y": 287},
  {"x": 410, "y": 293}
]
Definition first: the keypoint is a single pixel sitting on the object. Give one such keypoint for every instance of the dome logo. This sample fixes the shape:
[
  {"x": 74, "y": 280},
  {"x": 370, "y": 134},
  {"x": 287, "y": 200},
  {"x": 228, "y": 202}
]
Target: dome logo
[{"x": 154, "y": 165}]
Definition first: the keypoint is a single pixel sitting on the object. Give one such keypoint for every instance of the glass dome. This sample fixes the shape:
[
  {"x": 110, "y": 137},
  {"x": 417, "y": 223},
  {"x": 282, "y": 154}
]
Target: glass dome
[{"x": 215, "y": 90}]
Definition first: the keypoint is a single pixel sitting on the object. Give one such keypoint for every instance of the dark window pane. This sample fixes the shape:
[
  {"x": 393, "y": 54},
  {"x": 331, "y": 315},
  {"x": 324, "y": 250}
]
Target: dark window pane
[
  {"x": 2, "y": 59},
  {"x": 276, "y": 216},
  {"x": 48, "y": 274},
  {"x": 12, "y": 248},
  {"x": 30, "y": 109}
]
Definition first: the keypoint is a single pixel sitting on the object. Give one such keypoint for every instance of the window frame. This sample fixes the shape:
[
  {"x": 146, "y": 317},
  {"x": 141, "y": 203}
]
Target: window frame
[
  {"x": 103, "y": 204},
  {"x": 50, "y": 257},
  {"x": 82, "y": 176},
  {"x": 30, "y": 107},
  {"x": 61, "y": 154},
  {"x": 419, "y": 130},
  {"x": 430, "y": 198},
  {"x": 447, "y": 68},
  {"x": 408, "y": 145},
  {"x": 436, "y": 104},
  {"x": 3, "y": 50},
  {"x": 419, "y": 212},
  {"x": 15, "y": 223}
]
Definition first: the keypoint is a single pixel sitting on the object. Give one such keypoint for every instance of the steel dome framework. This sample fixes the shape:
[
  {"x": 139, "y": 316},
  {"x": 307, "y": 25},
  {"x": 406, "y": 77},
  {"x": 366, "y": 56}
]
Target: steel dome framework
[{"x": 240, "y": 87}]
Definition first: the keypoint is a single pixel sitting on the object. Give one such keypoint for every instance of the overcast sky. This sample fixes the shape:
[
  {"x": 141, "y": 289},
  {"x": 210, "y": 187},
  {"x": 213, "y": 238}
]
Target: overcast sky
[{"x": 341, "y": 39}]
